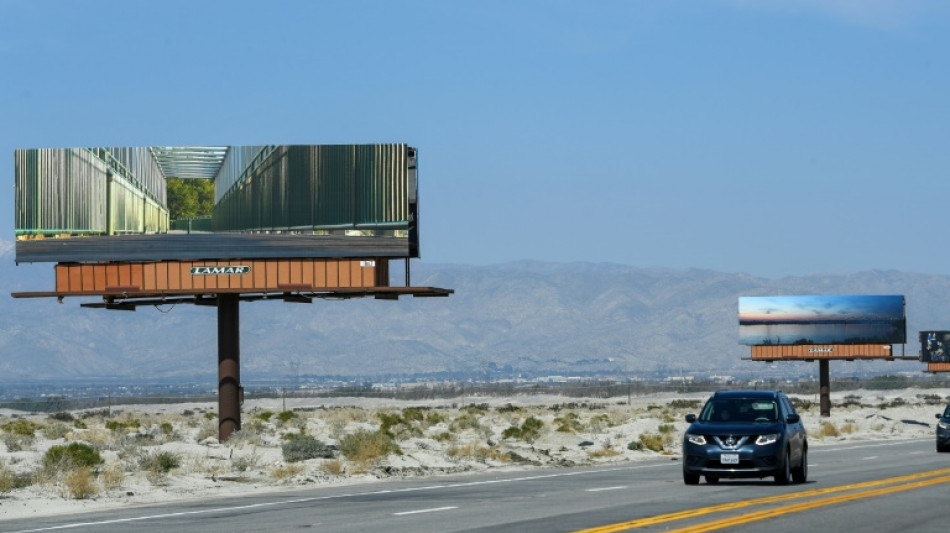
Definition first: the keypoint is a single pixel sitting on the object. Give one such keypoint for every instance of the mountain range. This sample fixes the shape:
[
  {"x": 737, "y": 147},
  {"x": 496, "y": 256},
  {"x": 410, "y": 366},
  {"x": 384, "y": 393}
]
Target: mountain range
[{"x": 523, "y": 317}]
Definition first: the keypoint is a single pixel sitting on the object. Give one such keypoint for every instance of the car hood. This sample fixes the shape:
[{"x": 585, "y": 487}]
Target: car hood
[{"x": 737, "y": 428}]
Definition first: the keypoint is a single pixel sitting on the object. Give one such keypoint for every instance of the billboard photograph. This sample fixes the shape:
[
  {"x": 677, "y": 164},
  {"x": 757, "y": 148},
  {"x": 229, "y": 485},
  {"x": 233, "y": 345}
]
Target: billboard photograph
[
  {"x": 822, "y": 320},
  {"x": 155, "y": 203},
  {"x": 934, "y": 346}
]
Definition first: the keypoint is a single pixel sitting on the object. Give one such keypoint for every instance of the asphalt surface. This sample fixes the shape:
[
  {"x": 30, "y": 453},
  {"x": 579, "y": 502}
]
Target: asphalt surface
[{"x": 859, "y": 486}]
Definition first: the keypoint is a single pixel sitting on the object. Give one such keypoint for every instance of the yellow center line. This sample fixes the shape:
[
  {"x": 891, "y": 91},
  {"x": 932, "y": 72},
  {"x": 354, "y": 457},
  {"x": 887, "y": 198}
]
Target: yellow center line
[
  {"x": 804, "y": 506},
  {"x": 658, "y": 519}
]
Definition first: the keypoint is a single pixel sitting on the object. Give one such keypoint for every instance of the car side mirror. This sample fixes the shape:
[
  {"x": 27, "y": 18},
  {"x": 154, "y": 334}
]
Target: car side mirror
[
  {"x": 939, "y": 415},
  {"x": 793, "y": 419},
  {"x": 692, "y": 418}
]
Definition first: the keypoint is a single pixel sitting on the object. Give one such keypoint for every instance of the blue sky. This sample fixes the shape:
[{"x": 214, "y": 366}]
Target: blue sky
[{"x": 771, "y": 137}]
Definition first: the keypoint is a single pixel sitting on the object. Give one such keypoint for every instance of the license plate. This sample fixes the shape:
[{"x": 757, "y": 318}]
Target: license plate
[{"x": 729, "y": 458}]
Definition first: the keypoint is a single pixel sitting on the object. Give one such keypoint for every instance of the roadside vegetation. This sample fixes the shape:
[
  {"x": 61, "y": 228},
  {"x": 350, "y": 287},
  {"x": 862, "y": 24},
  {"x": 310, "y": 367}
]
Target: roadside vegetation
[{"x": 96, "y": 453}]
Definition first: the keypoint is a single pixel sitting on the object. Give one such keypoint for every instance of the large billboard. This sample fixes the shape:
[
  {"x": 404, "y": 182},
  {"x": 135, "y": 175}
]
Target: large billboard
[
  {"x": 822, "y": 320},
  {"x": 934, "y": 346},
  {"x": 274, "y": 201}
]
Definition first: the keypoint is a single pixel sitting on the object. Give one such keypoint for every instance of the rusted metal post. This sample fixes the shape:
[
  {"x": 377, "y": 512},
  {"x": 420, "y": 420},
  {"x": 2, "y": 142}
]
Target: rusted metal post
[
  {"x": 824, "y": 388},
  {"x": 229, "y": 366}
]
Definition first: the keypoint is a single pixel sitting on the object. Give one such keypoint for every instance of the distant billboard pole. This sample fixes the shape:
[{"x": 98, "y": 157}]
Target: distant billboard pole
[
  {"x": 290, "y": 222},
  {"x": 823, "y": 328}
]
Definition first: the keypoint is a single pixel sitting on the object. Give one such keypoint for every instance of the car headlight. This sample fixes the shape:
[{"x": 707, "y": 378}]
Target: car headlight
[
  {"x": 767, "y": 439},
  {"x": 696, "y": 439},
  {"x": 943, "y": 425}
]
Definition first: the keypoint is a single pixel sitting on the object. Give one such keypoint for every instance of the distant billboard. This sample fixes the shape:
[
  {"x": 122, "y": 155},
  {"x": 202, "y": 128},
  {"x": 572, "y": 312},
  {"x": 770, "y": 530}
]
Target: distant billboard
[
  {"x": 822, "y": 320},
  {"x": 934, "y": 346},
  {"x": 273, "y": 201}
]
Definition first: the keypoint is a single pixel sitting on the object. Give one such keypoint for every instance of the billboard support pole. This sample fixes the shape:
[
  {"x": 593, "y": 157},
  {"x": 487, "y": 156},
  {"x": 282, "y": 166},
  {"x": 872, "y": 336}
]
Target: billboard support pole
[
  {"x": 229, "y": 368},
  {"x": 824, "y": 388}
]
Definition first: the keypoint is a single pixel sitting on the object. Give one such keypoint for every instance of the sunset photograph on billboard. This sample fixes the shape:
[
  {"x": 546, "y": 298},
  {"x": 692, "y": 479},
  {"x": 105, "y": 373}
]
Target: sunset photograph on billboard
[{"x": 822, "y": 319}]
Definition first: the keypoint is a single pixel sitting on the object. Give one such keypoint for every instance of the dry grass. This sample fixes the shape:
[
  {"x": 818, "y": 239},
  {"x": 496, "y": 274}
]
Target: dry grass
[
  {"x": 112, "y": 476},
  {"x": 603, "y": 453},
  {"x": 282, "y": 473},
  {"x": 80, "y": 484},
  {"x": 828, "y": 429},
  {"x": 334, "y": 467}
]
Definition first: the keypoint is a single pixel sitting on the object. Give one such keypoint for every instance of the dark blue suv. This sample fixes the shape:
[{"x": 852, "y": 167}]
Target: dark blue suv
[
  {"x": 943, "y": 431},
  {"x": 745, "y": 434}
]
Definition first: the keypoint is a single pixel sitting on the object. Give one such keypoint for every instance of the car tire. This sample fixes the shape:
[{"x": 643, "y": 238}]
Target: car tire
[
  {"x": 800, "y": 474},
  {"x": 942, "y": 449},
  {"x": 712, "y": 480},
  {"x": 781, "y": 478},
  {"x": 690, "y": 479}
]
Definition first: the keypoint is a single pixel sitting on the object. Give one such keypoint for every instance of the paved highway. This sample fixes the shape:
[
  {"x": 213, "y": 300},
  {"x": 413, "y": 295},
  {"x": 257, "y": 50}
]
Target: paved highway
[{"x": 869, "y": 486}]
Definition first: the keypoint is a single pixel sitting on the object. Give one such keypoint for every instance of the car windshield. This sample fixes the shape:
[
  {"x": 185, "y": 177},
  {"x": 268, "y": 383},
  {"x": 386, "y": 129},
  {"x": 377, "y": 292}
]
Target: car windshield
[{"x": 739, "y": 410}]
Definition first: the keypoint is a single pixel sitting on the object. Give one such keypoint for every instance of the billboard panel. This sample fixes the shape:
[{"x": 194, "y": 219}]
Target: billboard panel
[
  {"x": 822, "y": 319},
  {"x": 934, "y": 346},
  {"x": 273, "y": 201},
  {"x": 801, "y": 352}
]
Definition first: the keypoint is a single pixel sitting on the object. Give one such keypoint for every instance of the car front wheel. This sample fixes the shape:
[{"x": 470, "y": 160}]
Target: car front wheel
[
  {"x": 800, "y": 474},
  {"x": 781, "y": 478},
  {"x": 690, "y": 479}
]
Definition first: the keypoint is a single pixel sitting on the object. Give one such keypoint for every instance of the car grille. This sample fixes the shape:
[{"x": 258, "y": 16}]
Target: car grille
[{"x": 730, "y": 442}]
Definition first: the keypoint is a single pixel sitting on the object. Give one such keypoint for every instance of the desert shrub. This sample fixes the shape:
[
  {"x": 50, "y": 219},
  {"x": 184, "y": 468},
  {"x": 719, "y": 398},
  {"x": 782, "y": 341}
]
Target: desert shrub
[
  {"x": 73, "y": 456},
  {"x": 80, "y": 483},
  {"x": 600, "y": 422},
  {"x": 243, "y": 463},
  {"x": 305, "y": 447},
  {"x": 684, "y": 404},
  {"x": 10, "y": 480},
  {"x": 16, "y": 443},
  {"x": 896, "y": 402},
  {"x": 443, "y": 437},
  {"x": 210, "y": 416},
  {"x": 365, "y": 447},
  {"x": 466, "y": 421},
  {"x": 508, "y": 408},
  {"x": 166, "y": 428},
  {"x": 413, "y": 414},
  {"x": 264, "y": 416},
  {"x": 62, "y": 416},
  {"x": 652, "y": 441},
  {"x": 117, "y": 425},
  {"x": 434, "y": 418},
  {"x": 208, "y": 429},
  {"x": 800, "y": 404},
  {"x": 21, "y": 427},
  {"x": 159, "y": 462},
  {"x": 849, "y": 428},
  {"x": 568, "y": 423},
  {"x": 286, "y": 416},
  {"x": 828, "y": 429},
  {"x": 55, "y": 431},
  {"x": 666, "y": 428},
  {"x": 931, "y": 399},
  {"x": 529, "y": 431},
  {"x": 635, "y": 446}
]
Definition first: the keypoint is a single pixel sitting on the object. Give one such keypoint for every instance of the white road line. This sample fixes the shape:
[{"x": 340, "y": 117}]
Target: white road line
[
  {"x": 601, "y": 489},
  {"x": 433, "y": 510},
  {"x": 869, "y": 458},
  {"x": 75, "y": 525}
]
